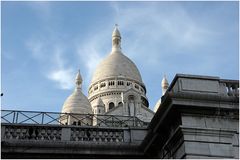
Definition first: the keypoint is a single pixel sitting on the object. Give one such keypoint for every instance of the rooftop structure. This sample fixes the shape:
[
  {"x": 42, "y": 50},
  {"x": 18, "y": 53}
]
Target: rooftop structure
[
  {"x": 198, "y": 118},
  {"x": 116, "y": 88}
]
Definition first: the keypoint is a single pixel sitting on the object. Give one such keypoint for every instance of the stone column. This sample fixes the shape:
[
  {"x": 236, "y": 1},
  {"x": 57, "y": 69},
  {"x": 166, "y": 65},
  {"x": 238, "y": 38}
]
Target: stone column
[{"x": 132, "y": 108}]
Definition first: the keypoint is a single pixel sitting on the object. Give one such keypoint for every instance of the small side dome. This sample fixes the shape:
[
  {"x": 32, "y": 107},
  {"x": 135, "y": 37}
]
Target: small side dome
[{"x": 77, "y": 102}]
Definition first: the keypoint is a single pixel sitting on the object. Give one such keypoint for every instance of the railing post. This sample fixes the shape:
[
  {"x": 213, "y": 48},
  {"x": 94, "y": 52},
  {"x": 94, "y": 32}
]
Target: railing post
[
  {"x": 235, "y": 89},
  {"x": 67, "y": 118},
  {"x": 17, "y": 118},
  {"x": 13, "y": 116},
  {"x": 126, "y": 135},
  {"x": 134, "y": 122},
  {"x": 112, "y": 120},
  {"x": 2, "y": 132},
  {"x": 66, "y": 134},
  {"x": 42, "y": 118},
  {"x": 229, "y": 89}
]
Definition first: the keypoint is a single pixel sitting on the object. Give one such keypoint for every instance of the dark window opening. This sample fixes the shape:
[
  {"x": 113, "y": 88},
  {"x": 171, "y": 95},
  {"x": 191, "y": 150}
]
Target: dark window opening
[
  {"x": 136, "y": 86},
  {"x": 111, "y": 105},
  {"x": 120, "y": 104},
  {"x": 96, "y": 87},
  {"x": 102, "y": 85}
]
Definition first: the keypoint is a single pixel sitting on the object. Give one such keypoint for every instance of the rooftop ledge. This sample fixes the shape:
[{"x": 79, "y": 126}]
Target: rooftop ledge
[{"x": 204, "y": 84}]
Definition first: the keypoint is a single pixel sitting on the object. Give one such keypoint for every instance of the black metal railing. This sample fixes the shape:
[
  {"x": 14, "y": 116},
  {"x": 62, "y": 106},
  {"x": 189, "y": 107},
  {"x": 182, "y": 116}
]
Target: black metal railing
[{"x": 57, "y": 118}]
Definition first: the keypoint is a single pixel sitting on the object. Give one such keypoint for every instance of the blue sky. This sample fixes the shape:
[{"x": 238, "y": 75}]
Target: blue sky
[{"x": 45, "y": 43}]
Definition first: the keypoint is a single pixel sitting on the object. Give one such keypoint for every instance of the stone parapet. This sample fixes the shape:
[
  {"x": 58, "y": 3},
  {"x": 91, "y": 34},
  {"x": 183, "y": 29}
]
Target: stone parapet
[
  {"x": 35, "y": 139},
  {"x": 198, "y": 118}
]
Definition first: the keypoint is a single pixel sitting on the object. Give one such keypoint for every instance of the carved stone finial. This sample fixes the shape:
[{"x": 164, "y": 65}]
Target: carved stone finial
[{"x": 78, "y": 80}]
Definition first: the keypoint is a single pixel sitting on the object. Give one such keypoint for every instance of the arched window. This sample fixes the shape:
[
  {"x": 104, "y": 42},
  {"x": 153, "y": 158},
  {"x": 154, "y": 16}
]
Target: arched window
[
  {"x": 111, "y": 83},
  {"x": 95, "y": 88},
  {"x": 102, "y": 85},
  {"x": 111, "y": 105},
  {"x": 129, "y": 83},
  {"x": 120, "y": 104},
  {"x": 136, "y": 86}
]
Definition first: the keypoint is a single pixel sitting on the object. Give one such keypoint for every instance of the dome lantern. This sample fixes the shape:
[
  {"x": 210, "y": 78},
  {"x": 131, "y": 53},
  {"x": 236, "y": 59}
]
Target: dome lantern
[
  {"x": 116, "y": 40},
  {"x": 78, "y": 80},
  {"x": 164, "y": 84}
]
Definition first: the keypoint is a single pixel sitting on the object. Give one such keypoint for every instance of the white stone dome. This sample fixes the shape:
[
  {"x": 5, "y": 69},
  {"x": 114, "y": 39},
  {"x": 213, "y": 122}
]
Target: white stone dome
[
  {"x": 77, "y": 102},
  {"x": 115, "y": 75},
  {"x": 116, "y": 64}
]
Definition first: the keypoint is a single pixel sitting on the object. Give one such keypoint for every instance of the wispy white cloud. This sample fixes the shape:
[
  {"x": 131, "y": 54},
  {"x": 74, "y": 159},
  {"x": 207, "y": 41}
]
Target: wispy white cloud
[
  {"x": 151, "y": 24},
  {"x": 93, "y": 50},
  {"x": 51, "y": 55},
  {"x": 149, "y": 32},
  {"x": 145, "y": 24},
  {"x": 49, "y": 51},
  {"x": 42, "y": 8},
  {"x": 36, "y": 47},
  {"x": 7, "y": 55},
  {"x": 63, "y": 77}
]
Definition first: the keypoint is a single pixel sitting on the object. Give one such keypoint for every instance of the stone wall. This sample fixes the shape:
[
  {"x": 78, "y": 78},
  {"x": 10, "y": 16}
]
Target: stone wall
[{"x": 198, "y": 118}]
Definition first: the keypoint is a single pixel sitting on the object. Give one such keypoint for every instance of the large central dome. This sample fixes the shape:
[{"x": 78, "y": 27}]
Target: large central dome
[
  {"x": 116, "y": 65},
  {"x": 114, "y": 76}
]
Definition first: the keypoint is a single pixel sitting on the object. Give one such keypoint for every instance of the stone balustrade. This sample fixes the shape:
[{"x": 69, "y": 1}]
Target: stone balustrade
[
  {"x": 29, "y": 132},
  {"x": 22, "y": 140},
  {"x": 230, "y": 87},
  {"x": 61, "y": 133},
  {"x": 97, "y": 135}
]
